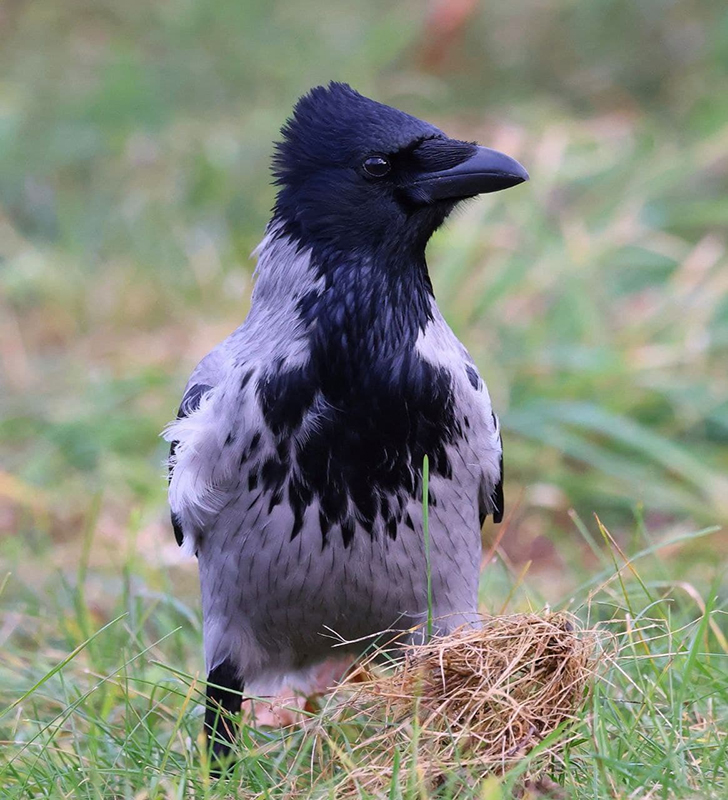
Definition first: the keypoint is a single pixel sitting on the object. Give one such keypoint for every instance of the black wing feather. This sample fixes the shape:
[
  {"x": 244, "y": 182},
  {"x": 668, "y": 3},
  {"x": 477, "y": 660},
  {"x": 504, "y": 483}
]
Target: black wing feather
[
  {"x": 190, "y": 402},
  {"x": 498, "y": 499},
  {"x": 494, "y": 504}
]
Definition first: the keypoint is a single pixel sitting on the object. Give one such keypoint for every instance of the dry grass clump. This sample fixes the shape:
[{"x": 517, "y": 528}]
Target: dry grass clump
[{"x": 476, "y": 699}]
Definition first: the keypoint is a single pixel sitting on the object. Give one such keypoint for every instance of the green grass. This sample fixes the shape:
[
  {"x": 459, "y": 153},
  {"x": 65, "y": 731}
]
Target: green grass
[
  {"x": 134, "y": 142},
  {"x": 111, "y": 709}
]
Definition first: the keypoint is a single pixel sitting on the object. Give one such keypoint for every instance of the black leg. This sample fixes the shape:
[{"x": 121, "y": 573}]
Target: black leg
[{"x": 223, "y": 696}]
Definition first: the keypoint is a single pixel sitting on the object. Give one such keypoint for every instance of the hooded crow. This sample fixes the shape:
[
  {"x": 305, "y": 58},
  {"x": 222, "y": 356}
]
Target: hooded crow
[{"x": 297, "y": 455}]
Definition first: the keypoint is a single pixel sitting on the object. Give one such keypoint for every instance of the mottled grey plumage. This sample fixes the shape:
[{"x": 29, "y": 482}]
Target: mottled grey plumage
[
  {"x": 274, "y": 605},
  {"x": 299, "y": 545}
]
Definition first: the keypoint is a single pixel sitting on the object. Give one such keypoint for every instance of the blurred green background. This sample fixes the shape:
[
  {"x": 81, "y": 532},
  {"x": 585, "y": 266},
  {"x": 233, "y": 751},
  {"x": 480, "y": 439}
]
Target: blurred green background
[
  {"x": 134, "y": 147},
  {"x": 135, "y": 138}
]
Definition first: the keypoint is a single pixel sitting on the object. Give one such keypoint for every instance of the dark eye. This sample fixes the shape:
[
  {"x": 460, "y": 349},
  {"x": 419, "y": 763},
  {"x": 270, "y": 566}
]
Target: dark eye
[{"x": 377, "y": 166}]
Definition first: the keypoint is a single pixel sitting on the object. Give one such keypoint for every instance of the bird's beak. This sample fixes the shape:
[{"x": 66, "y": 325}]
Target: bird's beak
[{"x": 483, "y": 172}]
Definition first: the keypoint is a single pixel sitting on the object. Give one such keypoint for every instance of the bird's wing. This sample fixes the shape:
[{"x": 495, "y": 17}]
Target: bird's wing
[
  {"x": 490, "y": 499},
  {"x": 209, "y": 375},
  {"x": 486, "y": 445},
  {"x": 481, "y": 447}
]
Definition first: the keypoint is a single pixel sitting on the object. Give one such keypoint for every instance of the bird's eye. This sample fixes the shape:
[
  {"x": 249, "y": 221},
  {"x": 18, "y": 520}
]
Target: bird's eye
[{"x": 377, "y": 166}]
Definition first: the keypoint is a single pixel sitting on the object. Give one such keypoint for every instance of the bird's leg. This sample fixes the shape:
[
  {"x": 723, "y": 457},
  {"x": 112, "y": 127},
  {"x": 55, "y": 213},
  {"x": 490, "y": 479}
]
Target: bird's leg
[{"x": 224, "y": 695}]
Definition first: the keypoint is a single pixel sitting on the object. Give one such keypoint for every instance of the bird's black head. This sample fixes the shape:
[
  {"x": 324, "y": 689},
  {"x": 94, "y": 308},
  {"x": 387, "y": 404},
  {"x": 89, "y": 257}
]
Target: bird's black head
[{"x": 358, "y": 175}]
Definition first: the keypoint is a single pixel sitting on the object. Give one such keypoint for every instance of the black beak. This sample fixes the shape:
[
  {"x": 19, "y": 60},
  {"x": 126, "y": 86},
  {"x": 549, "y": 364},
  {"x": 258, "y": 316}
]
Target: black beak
[{"x": 483, "y": 172}]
